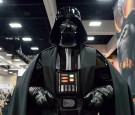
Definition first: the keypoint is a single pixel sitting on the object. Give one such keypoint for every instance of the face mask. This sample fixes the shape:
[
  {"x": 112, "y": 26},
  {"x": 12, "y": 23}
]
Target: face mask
[{"x": 68, "y": 33}]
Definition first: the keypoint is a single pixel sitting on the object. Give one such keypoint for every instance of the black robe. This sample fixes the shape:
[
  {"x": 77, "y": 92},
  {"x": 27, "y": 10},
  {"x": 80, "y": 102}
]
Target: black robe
[{"x": 123, "y": 104}]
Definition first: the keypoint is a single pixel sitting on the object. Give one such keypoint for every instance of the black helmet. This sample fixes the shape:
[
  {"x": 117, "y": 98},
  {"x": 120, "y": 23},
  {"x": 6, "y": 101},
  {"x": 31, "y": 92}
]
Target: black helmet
[{"x": 72, "y": 14}]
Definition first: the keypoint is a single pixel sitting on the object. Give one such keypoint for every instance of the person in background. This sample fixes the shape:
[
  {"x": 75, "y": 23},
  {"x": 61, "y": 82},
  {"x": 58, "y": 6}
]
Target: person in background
[{"x": 1, "y": 106}]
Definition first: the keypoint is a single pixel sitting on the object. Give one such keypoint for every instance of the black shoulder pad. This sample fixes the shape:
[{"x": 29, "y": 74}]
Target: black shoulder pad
[{"x": 101, "y": 61}]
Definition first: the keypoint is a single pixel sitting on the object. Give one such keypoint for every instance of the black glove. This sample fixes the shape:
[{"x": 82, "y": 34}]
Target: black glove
[
  {"x": 98, "y": 96},
  {"x": 42, "y": 97}
]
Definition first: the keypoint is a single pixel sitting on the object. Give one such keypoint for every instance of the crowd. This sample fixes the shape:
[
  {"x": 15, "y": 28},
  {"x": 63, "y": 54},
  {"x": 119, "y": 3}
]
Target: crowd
[{"x": 5, "y": 97}]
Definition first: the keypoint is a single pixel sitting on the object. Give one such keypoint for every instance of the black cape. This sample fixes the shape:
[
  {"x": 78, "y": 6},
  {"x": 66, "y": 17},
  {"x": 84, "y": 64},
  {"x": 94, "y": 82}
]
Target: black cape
[{"x": 123, "y": 103}]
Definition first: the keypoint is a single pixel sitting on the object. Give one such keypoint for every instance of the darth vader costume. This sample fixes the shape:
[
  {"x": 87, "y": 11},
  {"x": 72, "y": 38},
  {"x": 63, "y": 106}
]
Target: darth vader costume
[{"x": 70, "y": 77}]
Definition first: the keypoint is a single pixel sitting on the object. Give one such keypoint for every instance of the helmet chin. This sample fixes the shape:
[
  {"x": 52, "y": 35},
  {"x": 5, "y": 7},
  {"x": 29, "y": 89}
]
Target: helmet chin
[
  {"x": 68, "y": 40},
  {"x": 67, "y": 45}
]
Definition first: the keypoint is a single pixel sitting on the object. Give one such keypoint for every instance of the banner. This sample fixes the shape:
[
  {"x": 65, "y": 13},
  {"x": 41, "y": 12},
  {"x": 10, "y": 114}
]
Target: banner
[{"x": 124, "y": 18}]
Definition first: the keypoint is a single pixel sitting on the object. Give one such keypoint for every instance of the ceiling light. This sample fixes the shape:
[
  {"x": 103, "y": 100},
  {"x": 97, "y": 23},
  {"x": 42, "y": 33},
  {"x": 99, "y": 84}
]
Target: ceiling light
[
  {"x": 9, "y": 61},
  {"x": 95, "y": 23},
  {"x": 17, "y": 66},
  {"x": 5, "y": 70},
  {"x": 26, "y": 39},
  {"x": 8, "y": 54},
  {"x": 34, "y": 48},
  {"x": 10, "y": 72},
  {"x": 12, "y": 66},
  {"x": 1, "y": 1},
  {"x": 9, "y": 38},
  {"x": 15, "y": 25},
  {"x": 17, "y": 60},
  {"x": 90, "y": 38}
]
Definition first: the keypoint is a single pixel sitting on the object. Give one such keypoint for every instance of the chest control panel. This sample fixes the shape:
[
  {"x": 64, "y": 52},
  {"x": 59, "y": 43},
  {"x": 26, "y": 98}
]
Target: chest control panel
[{"x": 67, "y": 82}]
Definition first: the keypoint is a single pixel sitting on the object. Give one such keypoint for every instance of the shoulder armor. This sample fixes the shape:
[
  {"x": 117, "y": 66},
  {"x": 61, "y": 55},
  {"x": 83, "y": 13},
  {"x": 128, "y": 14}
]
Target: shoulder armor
[{"x": 101, "y": 61}]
